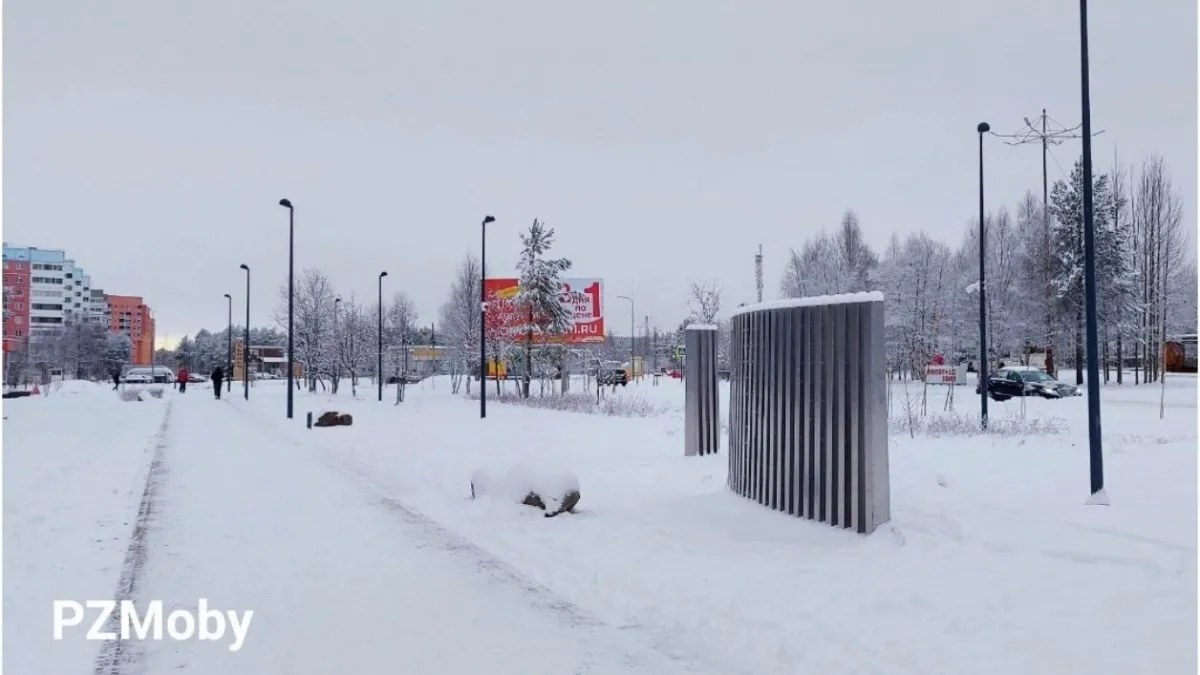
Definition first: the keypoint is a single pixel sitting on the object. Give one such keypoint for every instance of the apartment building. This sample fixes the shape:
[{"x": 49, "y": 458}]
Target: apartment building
[
  {"x": 131, "y": 316},
  {"x": 16, "y": 303},
  {"x": 44, "y": 290}
]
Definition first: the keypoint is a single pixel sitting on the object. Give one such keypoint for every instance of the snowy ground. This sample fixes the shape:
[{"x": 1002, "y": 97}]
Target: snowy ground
[
  {"x": 75, "y": 463},
  {"x": 360, "y": 550}
]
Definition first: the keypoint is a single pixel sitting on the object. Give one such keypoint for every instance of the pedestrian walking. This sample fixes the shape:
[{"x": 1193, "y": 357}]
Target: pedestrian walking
[
  {"x": 218, "y": 376},
  {"x": 116, "y": 380},
  {"x": 183, "y": 380}
]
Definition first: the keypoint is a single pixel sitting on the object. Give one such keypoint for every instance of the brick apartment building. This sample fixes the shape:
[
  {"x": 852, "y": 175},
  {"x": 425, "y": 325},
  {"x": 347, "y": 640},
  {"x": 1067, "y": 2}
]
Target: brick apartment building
[
  {"x": 128, "y": 314},
  {"x": 45, "y": 291}
]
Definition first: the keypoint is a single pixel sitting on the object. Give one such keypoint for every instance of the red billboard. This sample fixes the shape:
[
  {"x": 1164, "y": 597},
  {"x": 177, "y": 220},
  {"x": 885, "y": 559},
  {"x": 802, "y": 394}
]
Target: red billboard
[{"x": 581, "y": 297}]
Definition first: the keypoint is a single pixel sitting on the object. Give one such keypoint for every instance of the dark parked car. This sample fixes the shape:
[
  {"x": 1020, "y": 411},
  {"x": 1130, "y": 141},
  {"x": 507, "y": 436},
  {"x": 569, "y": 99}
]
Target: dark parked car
[
  {"x": 614, "y": 376},
  {"x": 1007, "y": 383}
]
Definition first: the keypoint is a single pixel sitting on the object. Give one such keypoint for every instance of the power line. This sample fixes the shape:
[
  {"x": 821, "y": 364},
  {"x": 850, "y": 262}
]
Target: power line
[{"x": 1047, "y": 131}]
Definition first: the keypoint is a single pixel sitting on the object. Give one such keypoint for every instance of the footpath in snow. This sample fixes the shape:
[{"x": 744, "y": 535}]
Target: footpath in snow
[
  {"x": 75, "y": 463},
  {"x": 339, "y": 579}
]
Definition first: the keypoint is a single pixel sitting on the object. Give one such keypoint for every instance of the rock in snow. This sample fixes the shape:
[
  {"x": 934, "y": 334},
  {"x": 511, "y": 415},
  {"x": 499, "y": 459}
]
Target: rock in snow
[{"x": 552, "y": 489}]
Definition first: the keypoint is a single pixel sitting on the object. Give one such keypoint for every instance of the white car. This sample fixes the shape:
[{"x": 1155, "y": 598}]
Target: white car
[{"x": 137, "y": 378}]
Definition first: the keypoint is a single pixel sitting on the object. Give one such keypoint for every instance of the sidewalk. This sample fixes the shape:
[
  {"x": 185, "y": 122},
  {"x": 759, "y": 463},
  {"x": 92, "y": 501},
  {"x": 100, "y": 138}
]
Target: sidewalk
[{"x": 338, "y": 582}]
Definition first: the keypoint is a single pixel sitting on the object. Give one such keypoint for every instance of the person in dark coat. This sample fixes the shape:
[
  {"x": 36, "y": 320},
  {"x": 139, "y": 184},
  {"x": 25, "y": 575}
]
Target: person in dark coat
[
  {"x": 116, "y": 380},
  {"x": 218, "y": 376}
]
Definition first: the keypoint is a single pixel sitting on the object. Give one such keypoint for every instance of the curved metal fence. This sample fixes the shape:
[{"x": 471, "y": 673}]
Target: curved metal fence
[{"x": 808, "y": 409}]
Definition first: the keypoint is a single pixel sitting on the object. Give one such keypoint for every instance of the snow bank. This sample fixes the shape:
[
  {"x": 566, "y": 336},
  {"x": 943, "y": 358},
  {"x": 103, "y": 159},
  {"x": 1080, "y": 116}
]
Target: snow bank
[{"x": 551, "y": 484}]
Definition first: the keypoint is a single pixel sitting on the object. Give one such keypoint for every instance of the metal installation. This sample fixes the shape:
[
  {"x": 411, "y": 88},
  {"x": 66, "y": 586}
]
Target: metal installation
[
  {"x": 702, "y": 401},
  {"x": 808, "y": 409}
]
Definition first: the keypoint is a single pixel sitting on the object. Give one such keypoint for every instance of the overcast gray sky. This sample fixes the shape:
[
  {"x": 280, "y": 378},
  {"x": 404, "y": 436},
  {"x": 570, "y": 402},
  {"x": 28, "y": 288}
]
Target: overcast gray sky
[{"x": 664, "y": 140}]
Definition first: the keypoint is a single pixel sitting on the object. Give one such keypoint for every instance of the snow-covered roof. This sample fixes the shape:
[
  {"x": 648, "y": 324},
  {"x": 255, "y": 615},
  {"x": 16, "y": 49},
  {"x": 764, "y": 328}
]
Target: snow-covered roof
[
  {"x": 816, "y": 301},
  {"x": 700, "y": 326}
]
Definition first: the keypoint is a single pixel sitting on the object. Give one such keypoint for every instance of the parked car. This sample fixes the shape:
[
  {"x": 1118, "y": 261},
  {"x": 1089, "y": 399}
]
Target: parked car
[
  {"x": 193, "y": 377},
  {"x": 155, "y": 374},
  {"x": 411, "y": 377},
  {"x": 614, "y": 376},
  {"x": 1015, "y": 381}
]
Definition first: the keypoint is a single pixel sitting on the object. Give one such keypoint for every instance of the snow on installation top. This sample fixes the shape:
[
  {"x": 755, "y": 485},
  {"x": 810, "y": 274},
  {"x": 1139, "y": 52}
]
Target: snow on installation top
[
  {"x": 700, "y": 326},
  {"x": 789, "y": 303}
]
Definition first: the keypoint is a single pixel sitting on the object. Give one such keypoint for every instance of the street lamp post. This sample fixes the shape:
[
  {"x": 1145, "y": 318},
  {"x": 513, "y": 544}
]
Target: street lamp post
[
  {"x": 291, "y": 374},
  {"x": 483, "y": 315},
  {"x": 337, "y": 357},
  {"x": 982, "y": 129},
  {"x": 379, "y": 353},
  {"x": 1095, "y": 453},
  {"x": 246, "y": 339},
  {"x": 229, "y": 347},
  {"x": 632, "y": 332}
]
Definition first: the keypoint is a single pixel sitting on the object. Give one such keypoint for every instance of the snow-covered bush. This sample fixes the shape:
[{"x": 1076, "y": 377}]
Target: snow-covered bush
[
  {"x": 624, "y": 405},
  {"x": 130, "y": 394},
  {"x": 552, "y": 489},
  {"x": 963, "y": 424},
  {"x": 156, "y": 392}
]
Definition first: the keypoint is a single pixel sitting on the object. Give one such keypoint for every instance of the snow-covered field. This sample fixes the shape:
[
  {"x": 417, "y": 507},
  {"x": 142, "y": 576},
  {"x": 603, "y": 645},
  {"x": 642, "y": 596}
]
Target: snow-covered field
[{"x": 361, "y": 551}]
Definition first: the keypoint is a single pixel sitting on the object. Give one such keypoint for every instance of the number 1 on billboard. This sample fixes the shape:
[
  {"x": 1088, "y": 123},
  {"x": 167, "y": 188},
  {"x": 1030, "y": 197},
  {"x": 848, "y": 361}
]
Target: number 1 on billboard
[{"x": 593, "y": 290}]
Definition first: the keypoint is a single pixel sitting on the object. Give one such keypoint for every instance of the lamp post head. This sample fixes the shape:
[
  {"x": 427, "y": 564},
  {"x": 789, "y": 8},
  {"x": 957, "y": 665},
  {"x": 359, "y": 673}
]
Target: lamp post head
[
  {"x": 245, "y": 267},
  {"x": 229, "y": 296},
  {"x": 382, "y": 275},
  {"x": 983, "y": 127},
  {"x": 285, "y": 203},
  {"x": 488, "y": 219}
]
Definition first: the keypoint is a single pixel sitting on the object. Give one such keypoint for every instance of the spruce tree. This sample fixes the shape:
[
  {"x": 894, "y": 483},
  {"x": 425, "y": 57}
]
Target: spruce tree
[{"x": 538, "y": 296}]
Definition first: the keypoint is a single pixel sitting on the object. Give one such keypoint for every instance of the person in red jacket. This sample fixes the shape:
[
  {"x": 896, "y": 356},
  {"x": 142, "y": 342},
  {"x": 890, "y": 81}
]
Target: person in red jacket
[{"x": 183, "y": 378}]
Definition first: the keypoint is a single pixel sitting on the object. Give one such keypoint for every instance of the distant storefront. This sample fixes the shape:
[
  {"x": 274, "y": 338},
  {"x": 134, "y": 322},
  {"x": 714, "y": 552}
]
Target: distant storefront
[
  {"x": 1179, "y": 353},
  {"x": 263, "y": 359}
]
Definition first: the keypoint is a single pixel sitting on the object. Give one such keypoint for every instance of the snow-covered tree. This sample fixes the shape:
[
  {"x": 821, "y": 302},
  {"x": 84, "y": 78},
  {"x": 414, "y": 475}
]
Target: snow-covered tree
[
  {"x": 1036, "y": 299},
  {"x": 704, "y": 301},
  {"x": 538, "y": 295},
  {"x": 1066, "y": 235},
  {"x": 1158, "y": 239},
  {"x": 118, "y": 351},
  {"x": 313, "y": 324},
  {"x": 830, "y": 265},
  {"x": 460, "y": 323},
  {"x": 399, "y": 323},
  {"x": 355, "y": 335}
]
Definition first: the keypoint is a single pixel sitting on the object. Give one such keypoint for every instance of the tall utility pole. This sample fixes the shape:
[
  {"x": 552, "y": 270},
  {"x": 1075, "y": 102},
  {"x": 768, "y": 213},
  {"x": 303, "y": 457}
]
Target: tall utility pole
[
  {"x": 483, "y": 366},
  {"x": 291, "y": 355},
  {"x": 1089, "y": 273},
  {"x": 758, "y": 272},
  {"x": 1046, "y": 131},
  {"x": 646, "y": 354},
  {"x": 982, "y": 129}
]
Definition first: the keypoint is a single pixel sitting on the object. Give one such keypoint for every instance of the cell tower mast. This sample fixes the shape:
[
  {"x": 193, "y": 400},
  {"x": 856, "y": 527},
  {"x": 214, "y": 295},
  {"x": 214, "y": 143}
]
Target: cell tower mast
[{"x": 758, "y": 272}]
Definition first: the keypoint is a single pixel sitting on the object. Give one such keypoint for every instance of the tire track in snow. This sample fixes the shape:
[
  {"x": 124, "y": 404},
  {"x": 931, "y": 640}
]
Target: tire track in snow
[{"x": 117, "y": 657}]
